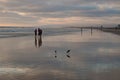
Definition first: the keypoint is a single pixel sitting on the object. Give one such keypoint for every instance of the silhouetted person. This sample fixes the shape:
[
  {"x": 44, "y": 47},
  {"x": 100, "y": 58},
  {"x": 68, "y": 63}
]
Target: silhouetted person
[
  {"x": 39, "y": 31},
  {"x": 35, "y": 31}
]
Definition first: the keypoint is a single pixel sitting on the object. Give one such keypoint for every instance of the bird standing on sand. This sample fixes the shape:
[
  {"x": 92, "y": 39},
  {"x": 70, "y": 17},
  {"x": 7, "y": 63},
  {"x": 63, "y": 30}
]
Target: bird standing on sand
[
  {"x": 68, "y": 51},
  {"x": 55, "y": 53},
  {"x": 68, "y": 54}
]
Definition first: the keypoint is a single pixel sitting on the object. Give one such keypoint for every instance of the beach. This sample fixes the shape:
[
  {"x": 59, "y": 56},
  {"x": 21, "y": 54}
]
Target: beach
[
  {"x": 114, "y": 31},
  {"x": 91, "y": 56}
]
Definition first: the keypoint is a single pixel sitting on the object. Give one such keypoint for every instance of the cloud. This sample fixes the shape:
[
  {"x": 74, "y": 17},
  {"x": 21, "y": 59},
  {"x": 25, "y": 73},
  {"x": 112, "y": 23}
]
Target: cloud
[{"x": 29, "y": 12}]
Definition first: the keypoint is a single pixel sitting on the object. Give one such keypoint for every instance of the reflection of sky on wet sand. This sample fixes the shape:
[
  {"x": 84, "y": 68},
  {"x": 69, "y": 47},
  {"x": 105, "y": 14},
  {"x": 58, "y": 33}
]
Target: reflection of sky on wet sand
[{"x": 93, "y": 57}]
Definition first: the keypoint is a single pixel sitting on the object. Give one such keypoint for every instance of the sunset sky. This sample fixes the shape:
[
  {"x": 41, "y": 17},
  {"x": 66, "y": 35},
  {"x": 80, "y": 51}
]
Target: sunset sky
[{"x": 59, "y": 12}]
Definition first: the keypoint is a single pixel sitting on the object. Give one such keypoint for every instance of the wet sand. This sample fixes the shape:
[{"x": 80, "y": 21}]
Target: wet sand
[{"x": 92, "y": 57}]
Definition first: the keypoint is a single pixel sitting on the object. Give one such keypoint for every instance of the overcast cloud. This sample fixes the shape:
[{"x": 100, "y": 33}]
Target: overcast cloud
[{"x": 59, "y": 12}]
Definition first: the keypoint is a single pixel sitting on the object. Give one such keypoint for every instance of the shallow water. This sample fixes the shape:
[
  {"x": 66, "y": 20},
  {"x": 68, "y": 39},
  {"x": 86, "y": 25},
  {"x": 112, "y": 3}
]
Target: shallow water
[{"x": 92, "y": 56}]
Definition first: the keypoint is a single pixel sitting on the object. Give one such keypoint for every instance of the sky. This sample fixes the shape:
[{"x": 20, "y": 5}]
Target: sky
[{"x": 59, "y": 12}]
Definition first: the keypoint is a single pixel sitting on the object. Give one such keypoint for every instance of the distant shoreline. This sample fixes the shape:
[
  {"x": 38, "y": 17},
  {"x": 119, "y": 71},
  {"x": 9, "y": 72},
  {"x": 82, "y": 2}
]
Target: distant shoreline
[
  {"x": 14, "y": 27},
  {"x": 110, "y": 29},
  {"x": 114, "y": 31}
]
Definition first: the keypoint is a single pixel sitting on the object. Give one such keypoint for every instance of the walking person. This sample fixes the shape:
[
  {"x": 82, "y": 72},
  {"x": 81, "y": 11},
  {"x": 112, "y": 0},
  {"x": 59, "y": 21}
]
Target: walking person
[
  {"x": 35, "y": 31},
  {"x": 39, "y": 31}
]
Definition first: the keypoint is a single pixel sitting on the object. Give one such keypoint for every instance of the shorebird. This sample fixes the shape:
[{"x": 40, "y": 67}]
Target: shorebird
[
  {"x": 55, "y": 53},
  {"x": 68, "y": 51},
  {"x": 68, "y": 55}
]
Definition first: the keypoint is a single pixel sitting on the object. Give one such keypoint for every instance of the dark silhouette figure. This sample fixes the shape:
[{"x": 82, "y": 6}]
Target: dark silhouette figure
[
  {"x": 39, "y": 31},
  {"x": 35, "y": 31}
]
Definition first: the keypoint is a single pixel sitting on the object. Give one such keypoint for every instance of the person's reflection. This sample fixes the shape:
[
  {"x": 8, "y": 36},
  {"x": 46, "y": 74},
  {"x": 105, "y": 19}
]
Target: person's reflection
[
  {"x": 38, "y": 37},
  {"x": 35, "y": 41},
  {"x": 38, "y": 41}
]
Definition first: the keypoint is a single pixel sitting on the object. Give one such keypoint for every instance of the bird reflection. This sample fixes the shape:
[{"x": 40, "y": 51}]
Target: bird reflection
[
  {"x": 38, "y": 41},
  {"x": 68, "y": 56}
]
